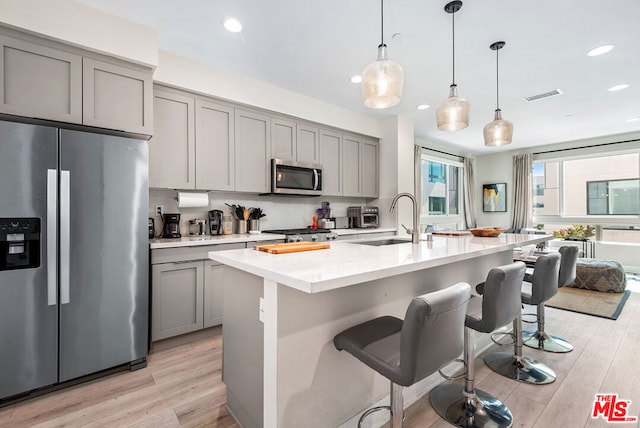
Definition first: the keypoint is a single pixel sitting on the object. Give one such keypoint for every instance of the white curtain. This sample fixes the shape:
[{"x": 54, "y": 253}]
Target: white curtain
[
  {"x": 522, "y": 190},
  {"x": 469, "y": 194}
]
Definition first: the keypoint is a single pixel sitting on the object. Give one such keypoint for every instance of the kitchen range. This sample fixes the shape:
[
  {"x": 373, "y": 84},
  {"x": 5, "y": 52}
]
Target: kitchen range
[{"x": 305, "y": 235}]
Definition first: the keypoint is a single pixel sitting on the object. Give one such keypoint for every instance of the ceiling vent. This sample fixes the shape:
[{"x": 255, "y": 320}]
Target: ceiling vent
[{"x": 547, "y": 94}]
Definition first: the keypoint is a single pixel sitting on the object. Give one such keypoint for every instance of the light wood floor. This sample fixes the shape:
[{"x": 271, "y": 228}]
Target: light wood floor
[{"x": 182, "y": 384}]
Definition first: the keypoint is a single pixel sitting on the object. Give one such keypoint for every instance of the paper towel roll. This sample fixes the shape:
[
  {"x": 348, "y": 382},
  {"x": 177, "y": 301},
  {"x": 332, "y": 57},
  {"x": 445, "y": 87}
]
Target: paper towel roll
[{"x": 192, "y": 200}]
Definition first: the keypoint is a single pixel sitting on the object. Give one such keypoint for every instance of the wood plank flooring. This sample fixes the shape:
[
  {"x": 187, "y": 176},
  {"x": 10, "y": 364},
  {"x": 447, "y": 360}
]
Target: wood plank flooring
[{"x": 182, "y": 385}]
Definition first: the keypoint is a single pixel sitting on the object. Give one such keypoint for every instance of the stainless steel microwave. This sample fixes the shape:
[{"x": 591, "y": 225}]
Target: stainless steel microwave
[{"x": 295, "y": 178}]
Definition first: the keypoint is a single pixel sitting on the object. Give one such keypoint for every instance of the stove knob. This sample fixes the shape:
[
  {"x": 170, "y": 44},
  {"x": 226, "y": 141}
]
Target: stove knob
[
  {"x": 291, "y": 239},
  {"x": 299, "y": 239},
  {"x": 314, "y": 238}
]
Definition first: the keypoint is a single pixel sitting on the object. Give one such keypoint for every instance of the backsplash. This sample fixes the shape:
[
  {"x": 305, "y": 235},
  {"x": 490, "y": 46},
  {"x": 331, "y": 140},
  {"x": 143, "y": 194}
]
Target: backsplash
[{"x": 281, "y": 211}]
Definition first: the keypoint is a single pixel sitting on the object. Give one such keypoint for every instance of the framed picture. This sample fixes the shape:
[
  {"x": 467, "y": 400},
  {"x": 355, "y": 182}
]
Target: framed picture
[{"x": 494, "y": 197}]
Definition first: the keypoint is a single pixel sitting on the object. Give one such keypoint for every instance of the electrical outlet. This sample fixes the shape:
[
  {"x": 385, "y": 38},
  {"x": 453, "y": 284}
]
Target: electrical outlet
[{"x": 159, "y": 209}]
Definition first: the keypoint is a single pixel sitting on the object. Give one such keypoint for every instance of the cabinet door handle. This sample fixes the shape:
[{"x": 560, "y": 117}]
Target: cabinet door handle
[
  {"x": 182, "y": 262},
  {"x": 65, "y": 230}
]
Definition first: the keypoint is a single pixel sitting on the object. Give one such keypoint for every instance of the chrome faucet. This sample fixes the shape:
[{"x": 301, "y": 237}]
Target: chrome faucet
[{"x": 415, "y": 232}]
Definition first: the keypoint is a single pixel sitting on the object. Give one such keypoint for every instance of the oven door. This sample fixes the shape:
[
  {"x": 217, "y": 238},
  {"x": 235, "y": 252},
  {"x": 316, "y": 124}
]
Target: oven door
[{"x": 295, "y": 178}]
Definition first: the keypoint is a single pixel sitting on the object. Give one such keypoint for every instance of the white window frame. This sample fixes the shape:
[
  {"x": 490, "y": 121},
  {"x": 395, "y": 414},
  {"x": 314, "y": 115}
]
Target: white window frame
[
  {"x": 584, "y": 153},
  {"x": 445, "y": 219}
]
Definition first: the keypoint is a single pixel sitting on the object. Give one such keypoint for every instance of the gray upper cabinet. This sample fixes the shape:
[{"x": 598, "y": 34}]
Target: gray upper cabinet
[
  {"x": 351, "y": 167},
  {"x": 215, "y": 169},
  {"x": 43, "y": 79},
  {"x": 172, "y": 148},
  {"x": 307, "y": 144},
  {"x": 116, "y": 97},
  {"x": 283, "y": 139},
  {"x": 39, "y": 81},
  {"x": 370, "y": 168},
  {"x": 330, "y": 148},
  {"x": 252, "y": 151}
]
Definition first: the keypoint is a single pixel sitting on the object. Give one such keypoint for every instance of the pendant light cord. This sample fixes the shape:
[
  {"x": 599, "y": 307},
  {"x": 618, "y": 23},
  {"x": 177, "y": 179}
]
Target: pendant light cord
[
  {"x": 453, "y": 43},
  {"x": 381, "y": 22},
  {"x": 497, "y": 81}
]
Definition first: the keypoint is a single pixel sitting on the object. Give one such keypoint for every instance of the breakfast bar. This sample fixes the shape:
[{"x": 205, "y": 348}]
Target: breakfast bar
[{"x": 281, "y": 312}]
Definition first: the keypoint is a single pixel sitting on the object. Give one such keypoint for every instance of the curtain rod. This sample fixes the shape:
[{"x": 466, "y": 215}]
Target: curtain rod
[
  {"x": 444, "y": 153},
  {"x": 587, "y": 147}
]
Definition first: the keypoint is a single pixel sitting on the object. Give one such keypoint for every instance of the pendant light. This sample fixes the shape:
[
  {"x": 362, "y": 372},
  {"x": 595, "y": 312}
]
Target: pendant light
[
  {"x": 382, "y": 80},
  {"x": 498, "y": 132},
  {"x": 453, "y": 113}
]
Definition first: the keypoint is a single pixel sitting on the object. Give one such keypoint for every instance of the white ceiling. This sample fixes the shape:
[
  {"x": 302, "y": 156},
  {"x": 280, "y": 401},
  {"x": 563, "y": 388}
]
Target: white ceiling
[{"x": 314, "y": 46}]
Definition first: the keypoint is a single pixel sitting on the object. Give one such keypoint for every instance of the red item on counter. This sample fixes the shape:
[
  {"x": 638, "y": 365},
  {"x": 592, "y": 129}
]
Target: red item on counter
[{"x": 315, "y": 223}]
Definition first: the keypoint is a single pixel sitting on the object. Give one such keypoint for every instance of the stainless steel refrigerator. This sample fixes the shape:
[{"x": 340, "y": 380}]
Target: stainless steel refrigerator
[{"x": 73, "y": 254}]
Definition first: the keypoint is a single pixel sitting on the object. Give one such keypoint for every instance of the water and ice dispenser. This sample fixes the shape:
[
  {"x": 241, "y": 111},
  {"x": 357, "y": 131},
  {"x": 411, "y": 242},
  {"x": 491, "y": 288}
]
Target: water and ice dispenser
[{"x": 19, "y": 243}]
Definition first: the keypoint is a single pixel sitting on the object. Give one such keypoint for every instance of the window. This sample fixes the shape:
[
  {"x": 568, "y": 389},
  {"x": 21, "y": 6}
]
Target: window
[
  {"x": 613, "y": 197},
  {"x": 589, "y": 186},
  {"x": 441, "y": 188}
]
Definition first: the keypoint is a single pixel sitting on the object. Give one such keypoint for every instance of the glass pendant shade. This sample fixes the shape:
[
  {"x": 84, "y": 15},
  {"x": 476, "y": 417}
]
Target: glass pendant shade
[
  {"x": 453, "y": 113},
  {"x": 499, "y": 132},
  {"x": 382, "y": 82}
]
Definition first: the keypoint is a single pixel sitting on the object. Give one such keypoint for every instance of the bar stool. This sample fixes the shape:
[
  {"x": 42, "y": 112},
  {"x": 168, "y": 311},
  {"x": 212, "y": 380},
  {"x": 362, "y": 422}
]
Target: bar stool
[
  {"x": 540, "y": 287},
  {"x": 514, "y": 365},
  {"x": 466, "y": 406},
  {"x": 407, "y": 351}
]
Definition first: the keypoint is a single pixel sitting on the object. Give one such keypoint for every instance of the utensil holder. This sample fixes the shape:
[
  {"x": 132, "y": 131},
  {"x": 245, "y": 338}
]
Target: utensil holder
[
  {"x": 242, "y": 226},
  {"x": 254, "y": 225}
]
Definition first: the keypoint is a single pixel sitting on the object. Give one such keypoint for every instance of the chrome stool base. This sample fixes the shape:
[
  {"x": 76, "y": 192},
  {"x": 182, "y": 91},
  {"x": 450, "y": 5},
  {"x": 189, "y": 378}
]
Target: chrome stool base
[
  {"x": 544, "y": 342},
  {"x": 480, "y": 410},
  {"x": 523, "y": 369}
]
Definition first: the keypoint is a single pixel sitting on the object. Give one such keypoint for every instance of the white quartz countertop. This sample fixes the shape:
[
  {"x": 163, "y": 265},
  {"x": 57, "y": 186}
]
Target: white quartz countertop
[
  {"x": 191, "y": 241},
  {"x": 348, "y": 263}
]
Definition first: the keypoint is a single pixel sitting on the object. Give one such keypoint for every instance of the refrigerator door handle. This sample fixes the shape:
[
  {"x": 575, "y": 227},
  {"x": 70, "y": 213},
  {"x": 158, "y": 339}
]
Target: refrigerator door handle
[
  {"x": 64, "y": 235},
  {"x": 52, "y": 237}
]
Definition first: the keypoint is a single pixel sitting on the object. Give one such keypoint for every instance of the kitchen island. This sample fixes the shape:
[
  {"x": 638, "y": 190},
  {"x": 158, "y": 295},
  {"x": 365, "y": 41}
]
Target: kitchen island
[{"x": 281, "y": 312}]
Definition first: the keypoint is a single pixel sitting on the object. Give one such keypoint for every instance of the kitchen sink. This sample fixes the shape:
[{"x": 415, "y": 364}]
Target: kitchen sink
[{"x": 388, "y": 241}]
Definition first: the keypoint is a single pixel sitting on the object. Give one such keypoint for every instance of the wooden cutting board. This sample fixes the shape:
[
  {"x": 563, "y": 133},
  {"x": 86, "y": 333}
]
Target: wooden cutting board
[
  {"x": 453, "y": 232},
  {"x": 292, "y": 247}
]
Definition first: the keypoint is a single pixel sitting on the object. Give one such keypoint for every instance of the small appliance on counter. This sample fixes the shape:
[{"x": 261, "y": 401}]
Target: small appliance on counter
[
  {"x": 197, "y": 227},
  {"x": 171, "y": 226},
  {"x": 325, "y": 223},
  {"x": 363, "y": 217},
  {"x": 215, "y": 222},
  {"x": 341, "y": 222},
  {"x": 152, "y": 228}
]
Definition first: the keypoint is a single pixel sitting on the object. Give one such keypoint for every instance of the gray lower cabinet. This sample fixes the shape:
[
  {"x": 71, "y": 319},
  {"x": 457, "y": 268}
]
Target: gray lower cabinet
[
  {"x": 213, "y": 292},
  {"x": 177, "y": 302},
  {"x": 44, "y": 79},
  {"x": 186, "y": 289}
]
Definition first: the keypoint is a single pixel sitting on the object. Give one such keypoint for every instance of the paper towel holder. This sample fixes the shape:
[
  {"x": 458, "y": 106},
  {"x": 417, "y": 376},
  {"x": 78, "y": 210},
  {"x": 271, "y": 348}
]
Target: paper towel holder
[{"x": 192, "y": 199}]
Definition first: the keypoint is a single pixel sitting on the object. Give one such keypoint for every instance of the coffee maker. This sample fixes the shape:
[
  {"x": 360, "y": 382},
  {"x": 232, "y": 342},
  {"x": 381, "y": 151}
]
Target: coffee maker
[
  {"x": 171, "y": 226},
  {"x": 215, "y": 222}
]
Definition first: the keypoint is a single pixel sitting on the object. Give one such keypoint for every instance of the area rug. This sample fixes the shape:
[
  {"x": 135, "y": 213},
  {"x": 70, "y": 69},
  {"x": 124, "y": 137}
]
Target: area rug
[{"x": 595, "y": 303}]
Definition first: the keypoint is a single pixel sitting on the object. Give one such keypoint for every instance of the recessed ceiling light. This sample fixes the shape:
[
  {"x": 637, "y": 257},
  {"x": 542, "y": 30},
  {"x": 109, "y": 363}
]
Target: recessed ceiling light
[
  {"x": 232, "y": 25},
  {"x": 356, "y": 79},
  {"x": 600, "y": 50},
  {"x": 423, "y": 106},
  {"x": 618, "y": 87},
  {"x": 633, "y": 119},
  {"x": 568, "y": 115}
]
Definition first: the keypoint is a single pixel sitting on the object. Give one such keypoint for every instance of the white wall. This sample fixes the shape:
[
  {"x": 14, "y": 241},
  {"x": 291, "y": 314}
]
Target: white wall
[
  {"x": 83, "y": 26},
  {"x": 175, "y": 70}
]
